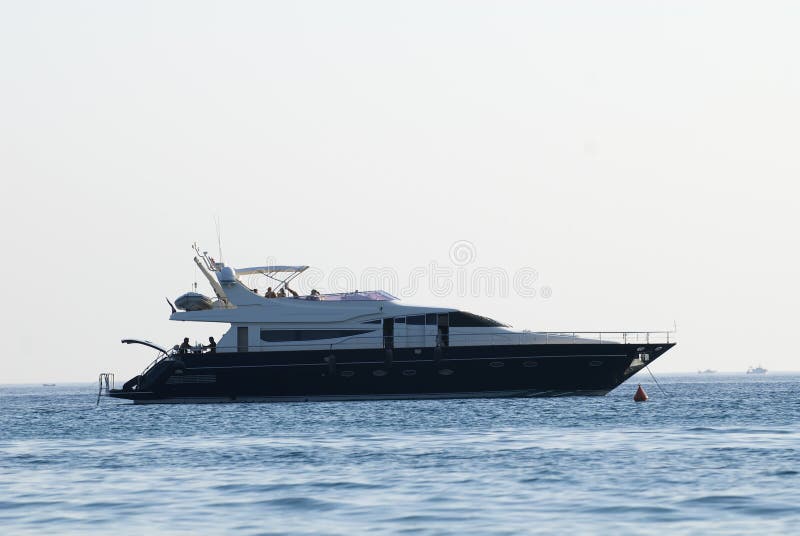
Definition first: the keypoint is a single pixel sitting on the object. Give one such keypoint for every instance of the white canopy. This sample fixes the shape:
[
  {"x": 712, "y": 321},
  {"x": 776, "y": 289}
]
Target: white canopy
[{"x": 269, "y": 269}]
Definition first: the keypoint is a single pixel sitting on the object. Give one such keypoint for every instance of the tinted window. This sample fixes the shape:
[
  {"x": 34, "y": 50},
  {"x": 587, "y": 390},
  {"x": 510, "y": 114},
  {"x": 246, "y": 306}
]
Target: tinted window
[
  {"x": 378, "y": 321},
  {"x": 400, "y": 320},
  {"x": 430, "y": 319},
  {"x": 461, "y": 319},
  {"x": 416, "y": 320},
  {"x": 285, "y": 335}
]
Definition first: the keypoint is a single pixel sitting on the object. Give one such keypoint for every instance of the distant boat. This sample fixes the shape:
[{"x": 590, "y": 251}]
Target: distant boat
[
  {"x": 757, "y": 370},
  {"x": 48, "y": 385},
  {"x": 707, "y": 371}
]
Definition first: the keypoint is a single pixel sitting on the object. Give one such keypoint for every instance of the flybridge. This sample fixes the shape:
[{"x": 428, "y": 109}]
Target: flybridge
[
  {"x": 229, "y": 274},
  {"x": 231, "y": 291}
]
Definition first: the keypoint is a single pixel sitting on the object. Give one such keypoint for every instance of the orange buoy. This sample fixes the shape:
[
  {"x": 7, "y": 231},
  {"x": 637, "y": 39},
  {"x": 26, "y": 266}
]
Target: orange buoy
[{"x": 640, "y": 395}]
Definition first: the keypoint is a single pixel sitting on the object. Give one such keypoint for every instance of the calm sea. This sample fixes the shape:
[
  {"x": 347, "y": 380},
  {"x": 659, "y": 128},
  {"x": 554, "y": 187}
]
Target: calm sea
[{"x": 716, "y": 454}]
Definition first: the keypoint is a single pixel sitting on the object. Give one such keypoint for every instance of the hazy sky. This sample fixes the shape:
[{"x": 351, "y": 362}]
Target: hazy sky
[{"x": 641, "y": 157}]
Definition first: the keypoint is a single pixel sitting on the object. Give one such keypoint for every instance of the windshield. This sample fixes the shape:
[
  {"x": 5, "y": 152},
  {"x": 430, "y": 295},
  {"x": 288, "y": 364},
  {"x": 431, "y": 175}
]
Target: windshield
[{"x": 368, "y": 295}]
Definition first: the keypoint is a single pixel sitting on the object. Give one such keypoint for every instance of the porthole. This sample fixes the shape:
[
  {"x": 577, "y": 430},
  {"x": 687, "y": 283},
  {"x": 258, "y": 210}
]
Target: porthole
[
  {"x": 348, "y": 373},
  {"x": 379, "y": 372},
  {"x": 497, "y": 364},
  {"x": 530, "y": 364},
  {"x": 445, "y": 372},
  {"x": 417, "y": 351},
  {"x": 658, "y": 348},
  {"x": 409, "y": 372},
  {"x": 595, "y": 363},
  {"x": 640, "y": 349}
]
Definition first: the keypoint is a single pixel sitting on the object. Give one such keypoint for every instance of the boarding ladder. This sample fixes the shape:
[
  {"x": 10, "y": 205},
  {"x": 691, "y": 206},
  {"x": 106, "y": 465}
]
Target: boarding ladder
[{"x": 106, "y": 383}]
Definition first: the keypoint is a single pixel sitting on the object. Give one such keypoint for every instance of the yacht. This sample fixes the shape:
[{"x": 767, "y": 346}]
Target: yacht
[
  {"x": 367, "y": 345},
  {"x": 756, "y": 370}
]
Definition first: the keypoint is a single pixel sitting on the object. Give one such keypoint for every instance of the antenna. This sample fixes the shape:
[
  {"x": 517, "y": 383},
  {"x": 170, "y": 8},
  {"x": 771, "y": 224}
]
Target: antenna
[{"x": 219, "y": 237}]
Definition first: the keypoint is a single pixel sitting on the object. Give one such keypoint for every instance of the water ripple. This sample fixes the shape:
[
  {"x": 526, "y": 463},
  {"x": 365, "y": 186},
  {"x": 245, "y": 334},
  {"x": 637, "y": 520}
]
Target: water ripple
[{"x": 539, "y": 466}]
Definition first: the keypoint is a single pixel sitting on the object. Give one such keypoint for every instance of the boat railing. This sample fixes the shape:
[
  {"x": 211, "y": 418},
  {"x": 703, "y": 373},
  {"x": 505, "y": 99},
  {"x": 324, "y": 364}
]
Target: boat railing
[
  {"x": 514, "y": 338},
  {"x": 428, "y": 340},
  {"x": 159, "y": 358}
]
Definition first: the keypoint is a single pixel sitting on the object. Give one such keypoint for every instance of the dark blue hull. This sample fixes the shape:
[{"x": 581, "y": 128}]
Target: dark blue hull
[{"x": 375, "y": 374}]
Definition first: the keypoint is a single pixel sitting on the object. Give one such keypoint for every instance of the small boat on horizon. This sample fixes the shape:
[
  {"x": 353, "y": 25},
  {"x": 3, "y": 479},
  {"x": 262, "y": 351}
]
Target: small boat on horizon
[
  {"x": 757, "y": 370},
  {"x": 48, "y": 385},
  {"x": 707, "y": 371}
]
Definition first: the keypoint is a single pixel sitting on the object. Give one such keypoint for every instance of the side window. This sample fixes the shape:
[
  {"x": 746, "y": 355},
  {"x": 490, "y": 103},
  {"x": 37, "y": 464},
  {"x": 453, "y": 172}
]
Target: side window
[
  {"x": 287, "y": 335},
  {"x": 461, "y": 319}
]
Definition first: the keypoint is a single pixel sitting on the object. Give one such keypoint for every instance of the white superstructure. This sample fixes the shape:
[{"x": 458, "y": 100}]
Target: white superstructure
[
  {"x": 349, "y": 320},
  {"x": 359, "y": 319}
]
